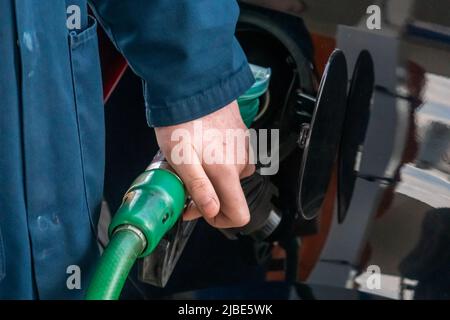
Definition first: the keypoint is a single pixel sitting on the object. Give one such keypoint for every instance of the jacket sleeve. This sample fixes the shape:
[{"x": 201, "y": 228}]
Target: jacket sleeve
[{"x": 184, "y": 50}]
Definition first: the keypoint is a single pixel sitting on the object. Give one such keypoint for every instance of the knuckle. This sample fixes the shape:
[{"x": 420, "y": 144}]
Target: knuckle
[{"x": 197, "y": 185}]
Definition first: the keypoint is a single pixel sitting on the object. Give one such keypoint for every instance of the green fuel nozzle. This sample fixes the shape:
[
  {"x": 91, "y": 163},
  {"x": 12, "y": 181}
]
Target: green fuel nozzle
[
  {"x": 153, "y": 203},
  {"x": 150, "y": 208}
]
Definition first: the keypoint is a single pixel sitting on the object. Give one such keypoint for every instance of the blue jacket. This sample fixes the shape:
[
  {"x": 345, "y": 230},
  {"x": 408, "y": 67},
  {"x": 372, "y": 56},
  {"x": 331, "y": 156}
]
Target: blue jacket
[{"x": 52, "y": 124}]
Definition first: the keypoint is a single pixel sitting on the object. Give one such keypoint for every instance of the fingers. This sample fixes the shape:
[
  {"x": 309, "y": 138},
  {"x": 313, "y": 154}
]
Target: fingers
[
  {"x": 200, "y": 189},
  {"x": 203, "y": 187},
  {"x": 233, "y": 210}
]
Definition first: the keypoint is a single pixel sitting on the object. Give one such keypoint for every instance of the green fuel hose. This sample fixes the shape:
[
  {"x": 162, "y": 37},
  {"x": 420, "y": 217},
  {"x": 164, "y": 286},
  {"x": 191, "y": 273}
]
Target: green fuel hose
[
  {"x": 116, "y": 262},
  {"x": 150, "y": 208}
]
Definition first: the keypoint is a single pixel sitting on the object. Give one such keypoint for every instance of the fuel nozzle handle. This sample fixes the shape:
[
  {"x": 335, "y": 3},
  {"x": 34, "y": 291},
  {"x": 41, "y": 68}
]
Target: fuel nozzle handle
[
  {"x": 258, "y": 191},
  {"x": 157, "y": 198}
]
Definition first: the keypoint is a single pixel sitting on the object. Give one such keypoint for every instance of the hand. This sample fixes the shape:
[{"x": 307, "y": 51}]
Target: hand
[{"x": 214, "y": 186}]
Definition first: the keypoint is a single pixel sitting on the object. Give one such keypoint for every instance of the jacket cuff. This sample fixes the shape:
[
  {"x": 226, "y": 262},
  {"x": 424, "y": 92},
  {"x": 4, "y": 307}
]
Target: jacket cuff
[{"x": 201, "y": 104}]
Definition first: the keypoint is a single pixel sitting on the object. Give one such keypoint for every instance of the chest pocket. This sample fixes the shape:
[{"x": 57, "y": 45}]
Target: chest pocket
[{"x": 88, "y": 96}]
